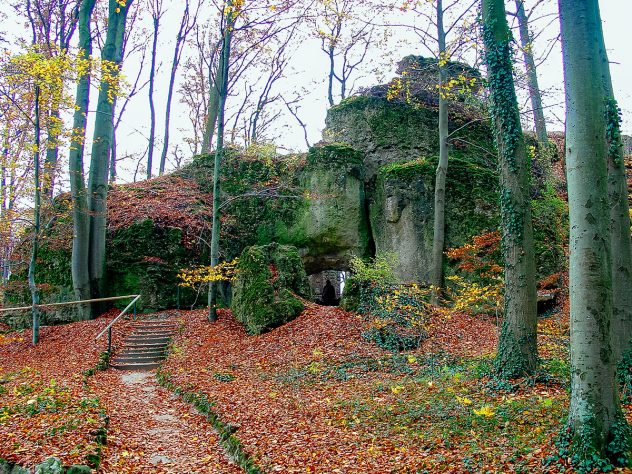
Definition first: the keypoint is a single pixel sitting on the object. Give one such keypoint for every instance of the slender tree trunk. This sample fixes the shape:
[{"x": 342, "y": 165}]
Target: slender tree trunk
[
  {"x": 619, "y": 216},
  {"x": 595, "y": 418},
  {"x": 438, "y": 236},
  {"x": 152, "y": 107},
  {"x": 185, "y": 27},
  {"x": 219, "y": 153},
  {"x": 52, "y": 153},
  {"x": 517, "y": 349},
  {"x": 101, "y": 149},
  {"x": 332, "y": 73},
  {"x": 213, "y": 106},
  {"x": 526, "y": 42},
  {"x": 80, "y": 221},
  {"x": 36, "y": 221}
]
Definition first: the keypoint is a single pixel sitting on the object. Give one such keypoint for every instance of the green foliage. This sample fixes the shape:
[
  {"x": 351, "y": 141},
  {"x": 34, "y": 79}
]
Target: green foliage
[
  {"x": 549, "y": 213},
  {"x": 503, "y": 104},
  {"x": 378, "y": 270},
  {"x": 397, "y": 313},
  {"x": 269, "y": 278},
  {"x": 613, "y": 129},
  {"x": 624, "y": 377},
  {"x": 585, "y": 451}
]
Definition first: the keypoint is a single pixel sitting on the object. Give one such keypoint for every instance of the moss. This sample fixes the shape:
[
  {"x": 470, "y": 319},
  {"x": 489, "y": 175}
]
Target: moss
[
  {"x": 144, "y": 258},
  {"x": 471, "y": 189},
  {"x": 550, "y": 229},
  {"x": 269, "y": 280}
]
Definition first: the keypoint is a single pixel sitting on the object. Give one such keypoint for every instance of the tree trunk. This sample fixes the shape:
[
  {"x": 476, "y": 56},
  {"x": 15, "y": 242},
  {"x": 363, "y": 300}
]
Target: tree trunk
[
  {"x": 180, "y": 38},
  {"x": 36, "y": 220},
  {"x": 595, "y": 418},
  {"x": 332, "y": 73},
  {"x": 438, "y": 236},
  {"x": 219, "y": 152},
  {"x": 526, "y": 42},
  {"x": 215, "y": 85},
  {"x": 620, "y": 239},
  {"x": 101, "y": 148},
  {"x": 80, "y": 221},
  {"x": 517, "y": 348},
  {"x": 152, "y": 107},
  {"x": 52, "y": 153}
]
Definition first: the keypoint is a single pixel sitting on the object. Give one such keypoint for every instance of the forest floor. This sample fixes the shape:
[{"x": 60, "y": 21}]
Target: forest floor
[{"x": 310, "y": 396}]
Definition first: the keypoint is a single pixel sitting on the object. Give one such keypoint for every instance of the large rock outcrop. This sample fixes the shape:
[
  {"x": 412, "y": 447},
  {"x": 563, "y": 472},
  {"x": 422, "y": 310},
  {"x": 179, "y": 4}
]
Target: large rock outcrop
[{"x": 270, "y": 280}]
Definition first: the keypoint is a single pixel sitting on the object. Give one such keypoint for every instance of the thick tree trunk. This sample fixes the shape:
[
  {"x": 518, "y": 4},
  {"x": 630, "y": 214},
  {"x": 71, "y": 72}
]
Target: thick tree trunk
[
  {"x": 152, "y": 107},
  {"x": 526, "y": 42},
  {"x": 36, "y": 220},
  {"x": 517, "y": 349},
  {"x": 101, "y": 148},
  {"x": 219, "y": 152},
  {"x": 620, "y": 238},
  {"x": 595, "y": 417},
  {"x": 438, "y": 239},
  {"x": 80, "y": 221}
]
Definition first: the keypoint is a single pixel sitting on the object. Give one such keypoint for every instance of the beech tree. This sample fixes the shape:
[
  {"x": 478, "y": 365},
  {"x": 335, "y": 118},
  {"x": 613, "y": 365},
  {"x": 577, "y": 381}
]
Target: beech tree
[
  {"x": 157, "y": 12},
  {"x": 444, "y": 42},
  {"x": 187, "y": 23},
  {"x": 598, "y": 431},
  {"x": 517, "y": 348},
  {"x": 80, "y": 218},
  {"x": 345, "y": 39},
  {"x": 229, "y": 17},
  {"x": 535, "y": 96},
  {"x": 620, "y": 237},
  {"x": 111, "y": 56}
]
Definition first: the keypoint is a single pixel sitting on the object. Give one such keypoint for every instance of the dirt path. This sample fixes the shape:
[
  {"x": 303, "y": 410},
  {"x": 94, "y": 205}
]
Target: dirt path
[{"x": 152, "y": 430}]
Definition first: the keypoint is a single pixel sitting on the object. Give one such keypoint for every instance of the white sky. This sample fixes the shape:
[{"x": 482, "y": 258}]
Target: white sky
[{"x": 309, "y": 67}]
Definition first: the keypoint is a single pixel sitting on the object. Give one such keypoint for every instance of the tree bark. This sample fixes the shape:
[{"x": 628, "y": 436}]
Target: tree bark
[
  {"x": 219, "y": 153},
  {"x": 180, "y": 38},
  {"x": 213, "y": 106},
  {"x": 595, "y": 417},
  {"x": 80, "y": 221},
  {"x": 101, "y": 149},
  {"x": 621, "y": 242},
  {"x": 36, "y": 220},
  {"x": 52, "y": 153},
  {"x": 526, "y": 42},
  {"x": 517, "y": 348},
  {"x": 438, "y": 236},
  {"x": 152, "y": 107}
]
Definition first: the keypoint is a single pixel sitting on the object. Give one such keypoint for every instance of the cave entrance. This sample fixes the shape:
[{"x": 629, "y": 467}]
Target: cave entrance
[{"x": 318, "y": 280}]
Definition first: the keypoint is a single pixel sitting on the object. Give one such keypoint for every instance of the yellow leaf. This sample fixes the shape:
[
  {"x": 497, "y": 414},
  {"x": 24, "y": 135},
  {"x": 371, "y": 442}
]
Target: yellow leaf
[{"x": 485, "y": 410}]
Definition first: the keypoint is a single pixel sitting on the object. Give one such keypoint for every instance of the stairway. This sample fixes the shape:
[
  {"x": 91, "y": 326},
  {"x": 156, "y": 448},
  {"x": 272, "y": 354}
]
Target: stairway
[{"x": 146, "y": 347}]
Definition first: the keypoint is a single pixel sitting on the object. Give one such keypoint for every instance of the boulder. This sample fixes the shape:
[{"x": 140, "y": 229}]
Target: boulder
[
  {"x": 270, "y": 281},
  {"x": 50, "y": 466}
]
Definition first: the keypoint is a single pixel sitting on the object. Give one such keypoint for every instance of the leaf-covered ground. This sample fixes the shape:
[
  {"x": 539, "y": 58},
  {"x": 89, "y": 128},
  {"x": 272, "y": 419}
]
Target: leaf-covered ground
[
  {"x": 311, "y": 396},
  {"x": 45, "y": 408}
]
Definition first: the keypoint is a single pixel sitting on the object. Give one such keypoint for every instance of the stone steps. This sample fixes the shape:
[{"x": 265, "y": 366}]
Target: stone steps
[{"x": 146, "y": 346}]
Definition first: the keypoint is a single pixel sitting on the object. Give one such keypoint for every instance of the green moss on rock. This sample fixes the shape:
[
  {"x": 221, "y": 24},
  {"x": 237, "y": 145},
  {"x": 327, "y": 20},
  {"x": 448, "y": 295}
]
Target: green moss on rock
[{"x": 270, "y": 280}]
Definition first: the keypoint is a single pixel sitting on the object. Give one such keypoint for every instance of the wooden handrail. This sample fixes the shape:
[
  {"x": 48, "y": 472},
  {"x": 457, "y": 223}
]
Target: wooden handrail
[
  {"x": 109, "y": 326},
  {"x": 67, "y": 303}
]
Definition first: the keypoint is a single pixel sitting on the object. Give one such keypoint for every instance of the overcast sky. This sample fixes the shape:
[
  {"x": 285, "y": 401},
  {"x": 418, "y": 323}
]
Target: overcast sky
[{"x": 308, "y": 70}]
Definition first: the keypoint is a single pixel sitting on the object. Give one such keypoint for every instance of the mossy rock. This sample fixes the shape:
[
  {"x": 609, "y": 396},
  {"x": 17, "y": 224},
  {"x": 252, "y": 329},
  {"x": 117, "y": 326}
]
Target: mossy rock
[
  {"x": 331, "y": 226},
  {"x": 270, "y": 280}
]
